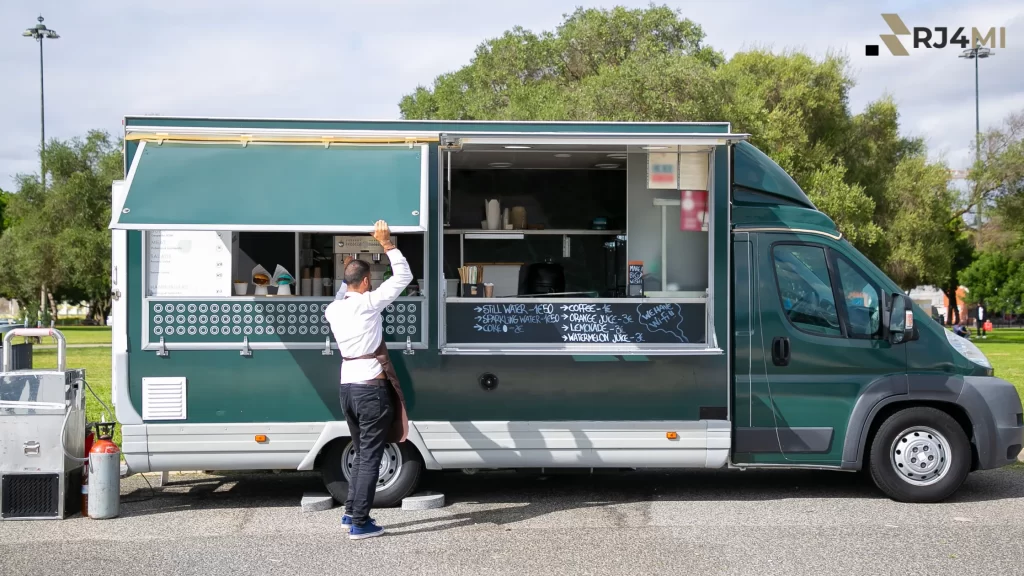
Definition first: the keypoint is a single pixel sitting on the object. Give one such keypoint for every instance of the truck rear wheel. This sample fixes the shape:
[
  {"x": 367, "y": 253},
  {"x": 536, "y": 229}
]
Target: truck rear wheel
[
  {"x": 919, "y": 455},
  {"x": 400, "y": 470}
]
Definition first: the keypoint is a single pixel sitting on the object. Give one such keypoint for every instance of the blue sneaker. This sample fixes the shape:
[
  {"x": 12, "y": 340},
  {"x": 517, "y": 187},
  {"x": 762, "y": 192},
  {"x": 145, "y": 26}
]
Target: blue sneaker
[
  {"x": 346, "y": 522},
  {"x": 368, "y": 530}
]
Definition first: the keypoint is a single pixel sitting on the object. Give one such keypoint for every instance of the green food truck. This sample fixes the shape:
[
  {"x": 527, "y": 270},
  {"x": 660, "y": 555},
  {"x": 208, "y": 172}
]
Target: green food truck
[{"x": 587, "y": 295}]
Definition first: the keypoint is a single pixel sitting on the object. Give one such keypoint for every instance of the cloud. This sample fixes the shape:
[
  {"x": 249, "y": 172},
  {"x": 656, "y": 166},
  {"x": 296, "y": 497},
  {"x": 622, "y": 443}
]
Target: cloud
[{"x": 352, "y": 59}]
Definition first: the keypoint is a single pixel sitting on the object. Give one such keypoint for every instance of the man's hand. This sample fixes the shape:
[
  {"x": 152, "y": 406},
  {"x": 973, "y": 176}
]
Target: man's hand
[
  {"x": 382, "y": 234},
  {"x": 348, "y": 259}
]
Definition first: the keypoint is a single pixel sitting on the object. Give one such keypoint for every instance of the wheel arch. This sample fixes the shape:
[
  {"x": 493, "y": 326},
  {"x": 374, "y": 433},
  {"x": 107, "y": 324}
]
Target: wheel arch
[
  {"x": 888, "y": 395},
  {"x": 955, "y": 411},
  {"x": 338, "y": 432}
]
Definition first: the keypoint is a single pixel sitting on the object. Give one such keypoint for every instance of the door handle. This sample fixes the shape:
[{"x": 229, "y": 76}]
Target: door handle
[{"x": 780, "y": 351}]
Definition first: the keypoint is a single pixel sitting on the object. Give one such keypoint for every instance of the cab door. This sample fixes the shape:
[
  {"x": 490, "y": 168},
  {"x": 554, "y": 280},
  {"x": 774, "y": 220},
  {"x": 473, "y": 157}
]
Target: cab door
[
  {"x": 754, "y": 437},
  {"x": 821, "y": 320}
]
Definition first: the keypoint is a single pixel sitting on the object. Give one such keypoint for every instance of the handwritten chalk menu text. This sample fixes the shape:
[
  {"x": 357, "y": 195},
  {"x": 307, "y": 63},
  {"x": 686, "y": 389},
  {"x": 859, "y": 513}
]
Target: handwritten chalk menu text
[
  {"x": 566, "y": 322},
  {"x": 636, "y": 278},
  {"x": 189, "y": 263}
]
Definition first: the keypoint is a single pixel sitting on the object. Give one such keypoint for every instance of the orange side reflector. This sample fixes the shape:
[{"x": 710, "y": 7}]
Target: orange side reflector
[
  {"x": 671, "y": 435},
  {"x": 261, "y": 438}
]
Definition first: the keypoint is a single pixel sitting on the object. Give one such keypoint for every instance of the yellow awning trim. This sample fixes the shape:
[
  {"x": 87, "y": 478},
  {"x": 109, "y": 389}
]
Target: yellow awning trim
[{"x": 244, "y": 139}]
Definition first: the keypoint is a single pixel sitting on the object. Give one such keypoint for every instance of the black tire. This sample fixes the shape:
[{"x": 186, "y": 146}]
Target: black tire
[
  {"x": 404, "y": 483},
  {"x": 910, "y": 427}
]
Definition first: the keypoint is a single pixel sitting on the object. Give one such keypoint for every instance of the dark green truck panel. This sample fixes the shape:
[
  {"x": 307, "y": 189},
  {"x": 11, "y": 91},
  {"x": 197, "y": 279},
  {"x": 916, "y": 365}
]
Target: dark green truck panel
[{"x": 301, "y": 386}]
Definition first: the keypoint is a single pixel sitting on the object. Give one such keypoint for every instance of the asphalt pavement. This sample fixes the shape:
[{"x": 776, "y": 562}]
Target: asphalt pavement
[{"x": 636, "y": 523}]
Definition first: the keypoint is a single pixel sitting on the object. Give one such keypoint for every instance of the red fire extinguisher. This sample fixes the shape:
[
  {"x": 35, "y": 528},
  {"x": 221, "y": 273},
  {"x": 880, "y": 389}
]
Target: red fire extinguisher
[{"x": 90, "y": 437}]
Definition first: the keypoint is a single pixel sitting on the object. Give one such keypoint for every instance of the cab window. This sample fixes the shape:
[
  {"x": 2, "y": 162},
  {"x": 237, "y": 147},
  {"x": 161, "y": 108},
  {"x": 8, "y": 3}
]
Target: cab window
[
  {"x": 861, "y": 298},
  {"x": 805, "y": 288}
]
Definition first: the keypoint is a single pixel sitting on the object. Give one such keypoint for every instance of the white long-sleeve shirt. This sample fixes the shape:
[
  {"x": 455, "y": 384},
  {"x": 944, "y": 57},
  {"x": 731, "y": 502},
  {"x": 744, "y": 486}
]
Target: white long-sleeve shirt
[{"x": 356, "y": 322}]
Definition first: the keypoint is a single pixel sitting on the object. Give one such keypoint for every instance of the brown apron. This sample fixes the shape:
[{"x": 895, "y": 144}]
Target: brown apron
[{"x": 400, "y": 423}]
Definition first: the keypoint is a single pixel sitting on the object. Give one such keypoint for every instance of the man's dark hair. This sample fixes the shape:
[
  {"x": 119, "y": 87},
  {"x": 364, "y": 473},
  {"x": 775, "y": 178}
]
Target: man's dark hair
[{"x": 355, "y": 272}]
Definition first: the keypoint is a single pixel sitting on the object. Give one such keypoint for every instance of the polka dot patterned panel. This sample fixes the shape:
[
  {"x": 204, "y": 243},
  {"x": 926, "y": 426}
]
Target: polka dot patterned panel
[{"x": 268, "y": 321}]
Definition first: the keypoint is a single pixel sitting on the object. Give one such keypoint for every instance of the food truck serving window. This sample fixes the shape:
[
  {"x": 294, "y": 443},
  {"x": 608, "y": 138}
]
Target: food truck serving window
[
  {"x": 572, "y": 244},
  {"x": 259, "y": 186},
  {"x": 266, "y": 290},
  {"x": 244, "y": 244}
]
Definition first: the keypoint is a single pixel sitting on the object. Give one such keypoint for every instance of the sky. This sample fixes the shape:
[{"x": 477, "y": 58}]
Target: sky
[{"x": 346, "y": 59}]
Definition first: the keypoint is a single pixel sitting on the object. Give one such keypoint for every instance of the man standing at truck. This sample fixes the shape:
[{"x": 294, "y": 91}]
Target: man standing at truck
[{"x": 370, "y": 394}]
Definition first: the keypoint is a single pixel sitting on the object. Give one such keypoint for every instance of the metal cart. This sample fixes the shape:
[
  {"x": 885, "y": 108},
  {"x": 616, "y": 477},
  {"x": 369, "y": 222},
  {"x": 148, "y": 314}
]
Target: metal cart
[{"x": 42, "y": 435}]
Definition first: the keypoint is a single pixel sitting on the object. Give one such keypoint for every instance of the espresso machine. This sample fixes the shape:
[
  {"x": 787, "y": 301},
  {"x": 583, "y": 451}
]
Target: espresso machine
[{"x": 363, "y": 248}]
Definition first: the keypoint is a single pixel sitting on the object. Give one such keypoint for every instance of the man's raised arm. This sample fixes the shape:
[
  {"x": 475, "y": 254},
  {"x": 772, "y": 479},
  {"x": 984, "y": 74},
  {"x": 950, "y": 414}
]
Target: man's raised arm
[{"x": 401, "y": 275}]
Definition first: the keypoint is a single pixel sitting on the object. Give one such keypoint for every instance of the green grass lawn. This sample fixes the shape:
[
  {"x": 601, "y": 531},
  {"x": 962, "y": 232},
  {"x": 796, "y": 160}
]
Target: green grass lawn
[
  {"x": 96, "y": 362},
  {"x": 84, "y": 334},
  {"x": 1004, "y": 348},
  {"x": 80, "y": 335}
]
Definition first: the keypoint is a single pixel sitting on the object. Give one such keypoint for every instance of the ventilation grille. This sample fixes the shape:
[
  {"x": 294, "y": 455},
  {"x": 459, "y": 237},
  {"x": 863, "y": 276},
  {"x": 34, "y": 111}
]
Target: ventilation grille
[
  {"x": 163, "y": 399},
  {"x": 30, "y": 495}
]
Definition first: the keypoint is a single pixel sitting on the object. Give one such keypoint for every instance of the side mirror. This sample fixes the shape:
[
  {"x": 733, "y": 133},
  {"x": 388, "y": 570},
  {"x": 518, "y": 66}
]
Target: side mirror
[{"x": 901, "y": 320}]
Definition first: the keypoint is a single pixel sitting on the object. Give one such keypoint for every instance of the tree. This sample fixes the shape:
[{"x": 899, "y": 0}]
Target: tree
[
  {"x": 27, "y": 262},
  {"x": 598, "y": 64},
  {"x": 58, "y": 240},
  {"x": 847, "y": 204},
  {"x": 653, "y": 65},
  {"x": 3, "y": 206},
  {"x": 996, "y": 279},
  {"x": 999, "y": 178},
  {"x": 917, "y": 241}
]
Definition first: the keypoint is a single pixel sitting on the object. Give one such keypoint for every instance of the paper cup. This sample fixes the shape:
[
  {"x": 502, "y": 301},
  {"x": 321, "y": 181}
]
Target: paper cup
[
  {"x": 241, "y": 288},
  {"x": 284, "y": 290},
  {"x": 488, "y": 290}
]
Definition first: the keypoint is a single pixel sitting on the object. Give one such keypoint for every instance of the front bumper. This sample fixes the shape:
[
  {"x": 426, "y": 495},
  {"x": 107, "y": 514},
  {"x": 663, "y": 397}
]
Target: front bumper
[{"x": 995, "y": 411}]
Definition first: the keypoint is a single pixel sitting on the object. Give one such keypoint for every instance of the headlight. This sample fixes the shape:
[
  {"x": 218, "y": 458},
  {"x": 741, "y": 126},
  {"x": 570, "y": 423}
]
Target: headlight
[{"x": 967, "y": 349}]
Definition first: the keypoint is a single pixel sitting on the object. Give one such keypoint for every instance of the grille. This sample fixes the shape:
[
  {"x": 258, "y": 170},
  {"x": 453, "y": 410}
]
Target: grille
[{"x": 30, "y": 495}]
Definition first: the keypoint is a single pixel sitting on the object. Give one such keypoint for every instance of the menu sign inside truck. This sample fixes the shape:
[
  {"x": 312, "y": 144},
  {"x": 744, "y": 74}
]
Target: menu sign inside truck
[
  {"x": 189, "y": 263},
  {"x": 662, "y": 171}
]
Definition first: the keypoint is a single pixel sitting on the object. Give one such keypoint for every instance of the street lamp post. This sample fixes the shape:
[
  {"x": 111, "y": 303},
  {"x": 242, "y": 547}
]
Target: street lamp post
[
  {"x": 40, "y": 32},
  {"x": 977, "y": 53}
]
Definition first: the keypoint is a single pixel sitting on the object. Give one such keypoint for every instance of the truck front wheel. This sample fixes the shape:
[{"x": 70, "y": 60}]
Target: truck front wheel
[
  {"x": 919, "y": 455},
  {"x": 400, "y": 470}
]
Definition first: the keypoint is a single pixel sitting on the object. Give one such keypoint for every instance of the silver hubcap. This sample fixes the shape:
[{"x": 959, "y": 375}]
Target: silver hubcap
[
  {"x": 921, "y": 456},
  {"x": 390, "y": 465}
]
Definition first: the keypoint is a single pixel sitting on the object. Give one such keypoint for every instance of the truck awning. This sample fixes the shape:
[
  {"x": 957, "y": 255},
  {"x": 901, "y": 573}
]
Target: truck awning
[
  {"x": 643, "y": 141},
  {"x": 286, "y": 187}
]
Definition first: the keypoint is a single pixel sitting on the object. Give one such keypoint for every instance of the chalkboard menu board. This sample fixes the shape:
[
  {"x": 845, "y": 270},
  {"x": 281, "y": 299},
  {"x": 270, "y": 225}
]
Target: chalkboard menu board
[{"x": 567, "y": 322}]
